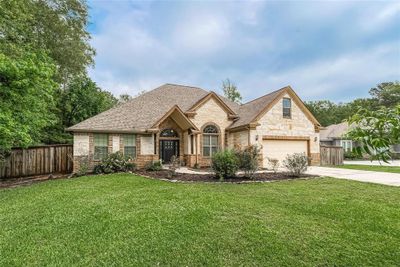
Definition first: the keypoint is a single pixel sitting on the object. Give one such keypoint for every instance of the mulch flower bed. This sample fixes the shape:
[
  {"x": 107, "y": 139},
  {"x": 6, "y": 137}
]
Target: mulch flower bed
[{"x": 186, "y": 177}]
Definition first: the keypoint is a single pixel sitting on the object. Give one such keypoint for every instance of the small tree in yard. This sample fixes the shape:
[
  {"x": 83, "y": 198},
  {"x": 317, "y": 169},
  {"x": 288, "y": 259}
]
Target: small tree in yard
[
  {"x": 296, "y": 164},
  {"x": 225, "y": 164},
  {"x": 248, "y": 160},
  {"x": 376, "y": 131}
]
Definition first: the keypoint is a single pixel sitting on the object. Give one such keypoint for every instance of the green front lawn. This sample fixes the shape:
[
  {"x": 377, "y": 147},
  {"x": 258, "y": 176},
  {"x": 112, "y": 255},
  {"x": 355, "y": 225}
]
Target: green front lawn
[
  {"x": 117, "y": 220},
  {"x": 370, "y": 168}
]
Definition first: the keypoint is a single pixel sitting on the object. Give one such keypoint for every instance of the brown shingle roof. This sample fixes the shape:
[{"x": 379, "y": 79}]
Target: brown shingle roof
[
  {"x": 143, "y": 111},
  {"x": 248, "y": 111}
]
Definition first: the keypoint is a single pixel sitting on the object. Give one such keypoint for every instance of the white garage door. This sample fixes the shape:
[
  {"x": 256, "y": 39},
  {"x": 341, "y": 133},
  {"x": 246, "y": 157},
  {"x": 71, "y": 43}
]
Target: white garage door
[{"x": 279, "y": 149}]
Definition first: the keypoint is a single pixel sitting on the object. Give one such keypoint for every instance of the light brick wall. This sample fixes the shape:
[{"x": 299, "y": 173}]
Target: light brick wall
[
  {"x": 273, "y": 123},
  {"x": 81, "y": 144},
  {"x": 83, "y": 151},
  {"x": 240, "y": 139}
]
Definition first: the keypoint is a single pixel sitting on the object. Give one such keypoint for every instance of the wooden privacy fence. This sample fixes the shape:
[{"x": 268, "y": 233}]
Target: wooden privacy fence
[
  {"x": 331, "y": 155},
  {"x": 37, "y": 160}
]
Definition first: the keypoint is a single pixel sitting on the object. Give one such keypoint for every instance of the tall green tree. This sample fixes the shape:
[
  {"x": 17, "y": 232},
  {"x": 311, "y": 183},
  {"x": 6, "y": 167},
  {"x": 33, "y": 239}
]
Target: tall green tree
[
  {"x": 328, "y": 112},
  {"x": 55, "y": 31},
  {"x": 80, "y": 100},
  {"x": 324, "y": 111},
  {"x": 83, "y": 99},
  {"x": 231, "y": 92},
  {"x": 55, "y": 26},
  {"x": 386, "y": 94},
  {"x": 26, "y": 95}
]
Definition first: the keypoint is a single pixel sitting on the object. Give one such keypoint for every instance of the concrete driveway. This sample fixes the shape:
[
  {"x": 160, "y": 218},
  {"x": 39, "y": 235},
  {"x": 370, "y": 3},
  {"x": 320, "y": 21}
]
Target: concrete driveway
[{"x": 385, "y": 178}]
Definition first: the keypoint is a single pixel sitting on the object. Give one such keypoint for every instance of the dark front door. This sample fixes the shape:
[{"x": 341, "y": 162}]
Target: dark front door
[{"x": 169, "y": 148}]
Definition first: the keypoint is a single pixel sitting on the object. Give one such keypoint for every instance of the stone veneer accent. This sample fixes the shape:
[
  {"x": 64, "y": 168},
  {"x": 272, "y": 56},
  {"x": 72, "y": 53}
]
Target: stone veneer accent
[
  {"x": 210, "y": 112},
  {"x": 273, "y": 123}
]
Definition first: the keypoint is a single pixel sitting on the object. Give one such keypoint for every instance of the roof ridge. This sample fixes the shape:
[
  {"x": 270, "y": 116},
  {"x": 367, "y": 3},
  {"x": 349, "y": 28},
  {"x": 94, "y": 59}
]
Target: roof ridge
[
  {"x": 183, "y": 85},
  {"x": 155, "y": 89},
  {"x": 265, "y": 95}
]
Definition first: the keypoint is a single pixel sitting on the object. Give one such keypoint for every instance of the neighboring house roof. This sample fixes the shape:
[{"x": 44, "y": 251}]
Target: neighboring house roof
[
  {"x": 145, "y": 111},
  {"x": 334, "y": 131},
  {"x": 142, "y": 112}
]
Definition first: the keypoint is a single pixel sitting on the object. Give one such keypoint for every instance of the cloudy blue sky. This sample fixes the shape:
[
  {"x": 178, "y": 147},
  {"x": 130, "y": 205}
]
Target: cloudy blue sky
[{"x": 324, "y": 50}]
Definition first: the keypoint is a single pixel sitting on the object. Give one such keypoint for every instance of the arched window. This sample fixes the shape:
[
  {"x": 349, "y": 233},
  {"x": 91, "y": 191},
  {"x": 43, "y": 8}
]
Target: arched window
[
  {"x": 210, "y": 129},
  {"x": 169, "y": 133},
  {"x": 210, "y": 140}
]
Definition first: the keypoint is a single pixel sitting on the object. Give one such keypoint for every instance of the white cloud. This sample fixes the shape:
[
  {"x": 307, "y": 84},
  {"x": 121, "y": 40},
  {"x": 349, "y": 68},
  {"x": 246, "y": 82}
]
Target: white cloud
[
  {"x": 204, "y": 42},
  {"x": 202, "y": 33},
  {"x": 380, "y": 16},
  {"x": 334, "y": 76}
]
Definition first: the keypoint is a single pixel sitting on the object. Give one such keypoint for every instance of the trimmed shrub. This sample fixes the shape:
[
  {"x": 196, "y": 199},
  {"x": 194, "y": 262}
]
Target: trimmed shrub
[
  {"x": 296, "y": 164},
  {"x": 273, "y": 164},
  {"x": 114, "y": 162},
  {"x": 248, "y": 160},
  {"x": 153, "y": 166},
  {"x": 225, "y": 164}
]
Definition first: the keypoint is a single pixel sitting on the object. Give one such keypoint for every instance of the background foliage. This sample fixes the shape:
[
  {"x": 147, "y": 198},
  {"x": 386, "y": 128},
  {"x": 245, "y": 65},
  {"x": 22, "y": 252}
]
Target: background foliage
[
  {"x": 386, "y": 94},
  {"x": 44, "y": 56},
  {"x": 26, "y": 93}
]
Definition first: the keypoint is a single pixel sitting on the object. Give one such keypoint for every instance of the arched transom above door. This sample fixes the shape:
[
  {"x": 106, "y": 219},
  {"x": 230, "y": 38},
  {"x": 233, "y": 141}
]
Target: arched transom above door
[{"x": 169, "y": 133}]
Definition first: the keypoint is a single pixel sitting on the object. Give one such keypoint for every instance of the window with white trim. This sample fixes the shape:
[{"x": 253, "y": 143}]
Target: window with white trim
[
  {"x": 287, "y": 108},
  {"x": 347, "y": 145},
  {"x": 130, "y": 145},
  {"x": 210, "y": 140},
  {"x": 100, "y": 146}
]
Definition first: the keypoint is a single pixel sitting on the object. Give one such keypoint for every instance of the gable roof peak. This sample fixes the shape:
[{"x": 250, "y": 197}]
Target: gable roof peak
[{"x": 269, "y": 94}]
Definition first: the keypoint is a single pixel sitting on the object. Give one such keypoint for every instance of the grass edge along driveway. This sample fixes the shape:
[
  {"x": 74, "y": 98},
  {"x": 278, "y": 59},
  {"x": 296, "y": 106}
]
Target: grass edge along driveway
[
  {"x": 374, "y": 168},
  {"x": 124, "y": 219}
]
